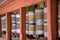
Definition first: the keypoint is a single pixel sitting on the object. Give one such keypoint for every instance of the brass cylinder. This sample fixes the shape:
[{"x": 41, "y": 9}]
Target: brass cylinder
[
  {"x": 17, "y": 18},
  {"x": 13, "y": 18},
  {"x": 58, "y": 8},
  {"x": 31, "y": 17},
  {"x": 59, "y": 29},
  {"x": 3, "y": 19},
  {"x": 39, "y": 14},
  {"x": 39, "y": 27},
  {"x": 31, "y": 29},
  {"x": 27, "y": 28},
  {"x": 18, "y": 26},
  {"x": 45, "y": 13},
  {"x": 39, "y": 17},
  {"x": 45, "y": 22},
  {"x": 27, "y": 18},
  {"x": 59, "y": 19},
  {"x": 45, "y": 30}
]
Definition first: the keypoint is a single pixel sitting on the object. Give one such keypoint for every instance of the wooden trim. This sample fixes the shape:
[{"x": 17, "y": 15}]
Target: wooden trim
[
  {"x": 8, "y": 26},
  {"x": 52, "y": 19},
  {"x": 12, "y": 5},
  {"x": 23, "y": 23},
  {"x": 0, "y": 27}
]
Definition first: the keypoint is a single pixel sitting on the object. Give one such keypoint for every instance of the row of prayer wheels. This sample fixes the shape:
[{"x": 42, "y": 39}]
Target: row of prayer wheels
[{"x": 36, "y": 20}]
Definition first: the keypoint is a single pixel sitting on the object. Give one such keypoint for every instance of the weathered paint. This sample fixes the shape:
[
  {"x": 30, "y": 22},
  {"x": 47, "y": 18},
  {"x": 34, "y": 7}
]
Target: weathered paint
[
  {"x": 23, "y": 23},
  {"x": 12, "y": 5},
  {"x": 52, "y": 19},
  {"x": 0, "y": 27},
  {"x": 8, "y": 26}
]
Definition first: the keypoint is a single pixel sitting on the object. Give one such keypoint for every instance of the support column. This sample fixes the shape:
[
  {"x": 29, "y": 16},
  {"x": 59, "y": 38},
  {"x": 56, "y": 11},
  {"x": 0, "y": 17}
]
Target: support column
[
  {"x": 23, "y": 23},
  {"x": 8, "y": 26},
  {"x": 52, "y": 19},
  {"x": 0, "y": 27}
]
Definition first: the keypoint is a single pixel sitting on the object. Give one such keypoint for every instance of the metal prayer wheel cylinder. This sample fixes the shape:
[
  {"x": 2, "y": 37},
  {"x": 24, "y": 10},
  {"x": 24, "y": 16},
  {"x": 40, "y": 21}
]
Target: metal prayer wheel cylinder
[
  {"x": 59, "y": 19},
  {"x": 39, "y": 14},
  {"x": 27, "y": 28},
  {"x": 58, "y": 25},
  {"x": 27, "y": 18},
  {"x": 13, "y": 26},
  {"x": 39, "y": 27},
  {"x": 59, "y": 30},
  {"x": 32, "y": 29},
  {"x": 18, "y": 18},
  {"x": 45, "y": 16},
  {"x": 27, "y": 25},
  {"x": 31, "y": 17},
  {"x": 45, "y": 22},
  {"x": 59, "y": 22},
  {"x": 39, "y": 17},
  {"x": 45, "y": 29},
  {"x": 18, "y": 26},
  {"x": 13, "y": 18},
  {"x": 58, "y": 8},
  {"x": 3, "y": 19},
  {"x": 3, "y": 25},
  {"x": 45, "y": 13}
]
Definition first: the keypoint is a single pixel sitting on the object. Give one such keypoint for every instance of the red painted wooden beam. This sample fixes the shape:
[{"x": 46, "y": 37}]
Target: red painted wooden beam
[
  {"x": 52, "y": 19},
  {"x": 8, "y": 26},
  {"x": 0, "y": 27},
  {"x": 23, "y": 23},
  {"x": 12, "y": 5}
]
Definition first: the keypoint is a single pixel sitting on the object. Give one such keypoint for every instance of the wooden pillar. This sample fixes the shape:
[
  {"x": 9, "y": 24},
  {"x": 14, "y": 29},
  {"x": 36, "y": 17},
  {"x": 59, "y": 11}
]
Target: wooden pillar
[
  {"x": 0, "y": 27},
  {"x": 52, "y": 19},
  {"x": 23, "y": 23},
  {"x": 8, "y": 26}
]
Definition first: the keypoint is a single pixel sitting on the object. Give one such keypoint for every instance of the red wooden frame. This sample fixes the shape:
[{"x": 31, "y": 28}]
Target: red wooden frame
[
  {"x": 0, "y": 27},
  {"x": 52, "y": 19},
  {"x": 12, "y": 5},
  {"x": 8, "y": 26}
]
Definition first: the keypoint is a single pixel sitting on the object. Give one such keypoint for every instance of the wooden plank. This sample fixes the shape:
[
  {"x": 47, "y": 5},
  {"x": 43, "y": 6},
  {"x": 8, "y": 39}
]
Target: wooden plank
[
  {"x": 23, "y": 23},
  {"x": 0, "y": 27},
  {"x": 12, "y": 5},
  {"x": 8, "y": 26},
  {"x": 52, "y": 19}
]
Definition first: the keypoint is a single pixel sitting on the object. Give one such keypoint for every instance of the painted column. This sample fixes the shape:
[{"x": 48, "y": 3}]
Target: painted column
[
  {"x": 23, "y": 23},
  {"x": 0, "y": 27},
  {"x": 8, "y": 26},
  {"x": 52, "y": 19}
]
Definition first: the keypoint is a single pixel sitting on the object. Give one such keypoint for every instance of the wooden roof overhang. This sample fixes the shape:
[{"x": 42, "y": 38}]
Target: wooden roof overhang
[{"x": 12, "y": 5}]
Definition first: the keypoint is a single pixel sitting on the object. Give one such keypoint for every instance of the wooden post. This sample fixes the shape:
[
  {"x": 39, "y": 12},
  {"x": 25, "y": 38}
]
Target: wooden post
[
  {"x": 8, "y": 26},
  {"x": 0, "y": 27},
  {"x": 23, "y": 23},
  {"x": 52, "y": 19}
]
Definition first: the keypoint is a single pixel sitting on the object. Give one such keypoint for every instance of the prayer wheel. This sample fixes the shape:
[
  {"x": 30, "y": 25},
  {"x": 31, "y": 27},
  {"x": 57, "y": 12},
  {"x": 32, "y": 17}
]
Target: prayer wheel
[
  {"x": 59, "y": 19},
  {"x": 27, "y": 25},
  {"x": 13, "y": 18},
  {"x": 18, "y": 18},
  {"x": 39, "y": 17},
  {"x": 45, "y": 22},
  {"x": 31, "y": 22}
]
